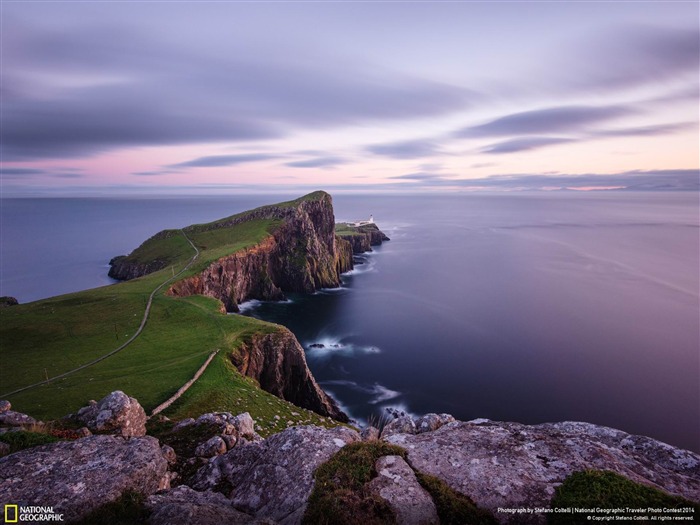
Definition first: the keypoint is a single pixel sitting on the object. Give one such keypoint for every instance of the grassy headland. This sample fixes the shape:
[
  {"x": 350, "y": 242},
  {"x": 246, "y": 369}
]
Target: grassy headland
[{"x": 49, "y": 337}]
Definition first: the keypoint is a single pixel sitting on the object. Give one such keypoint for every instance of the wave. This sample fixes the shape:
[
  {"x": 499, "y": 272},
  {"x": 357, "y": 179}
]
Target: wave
[
  {"x": 326, "y": 347},
  {"x": 367, "y": 265},
  {"x": 379, "y": 393},
  {"x": 252, "y": 304}
]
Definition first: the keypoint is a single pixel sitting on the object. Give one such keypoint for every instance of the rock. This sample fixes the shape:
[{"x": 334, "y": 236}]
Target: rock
[
  {"x": 184, "y": 506},
  {"x": 400, "y": 425},
  {"x": 369, "y": 434},
  {"x": 182, "y": 424},
  {"x": 274, "y": 478},
  {"x": 278, "y": 362},
  {"x": 10, "y": 418},
  {"x": 219, "y": 419},
  {"x": 212, "y": 447},
  {"x": 245, "y": 426},
  {"x": 77, "y": 477},
  {"x": 83, "y": 432},
  {"x": 512, "y": 465},
  {"x": 4, "y": 449},
  {"x": 6, "y": 300},
  {"x": 396, "y": 483},
  {"x": 430, "y": 422},
  {"x": 116, "y": 413},
  {"x": 4, "y": 406},
  {"x": 169, "y": 454},
  {"x": 230, "y": 440}
]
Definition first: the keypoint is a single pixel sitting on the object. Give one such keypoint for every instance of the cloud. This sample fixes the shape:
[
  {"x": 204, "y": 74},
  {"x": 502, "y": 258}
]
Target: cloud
[
  {"x": 631, "y": 56},
  {"x": 420, "y": 176},
  {"x": 637, "y": 180},
  {"x": 215, "y": 161},
  {"x": 319, "y": 162},
  {"x": 135, "y": 89},
  {"x": 407, "y": 149},
  {"x": 564, "y": 119},
  {"x": 21, "y": 171},
  {"x": 15, "y": 173},
  {"x": 524, "y": 144},
  {"x": 644, "y": 131},
  {"x": 153, "y": 173}
]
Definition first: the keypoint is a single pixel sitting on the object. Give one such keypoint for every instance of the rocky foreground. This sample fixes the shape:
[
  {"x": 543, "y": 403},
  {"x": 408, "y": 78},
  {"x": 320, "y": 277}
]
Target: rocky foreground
[{"x": 216, "y": 469}]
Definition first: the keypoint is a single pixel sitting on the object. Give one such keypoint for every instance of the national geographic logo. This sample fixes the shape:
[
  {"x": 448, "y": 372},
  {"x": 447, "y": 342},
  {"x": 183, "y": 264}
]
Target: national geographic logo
[{"x": 32, "y": 514}]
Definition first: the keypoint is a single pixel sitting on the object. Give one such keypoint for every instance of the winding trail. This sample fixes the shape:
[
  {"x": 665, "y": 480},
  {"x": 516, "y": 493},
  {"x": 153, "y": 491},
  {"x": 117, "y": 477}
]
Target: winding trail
[
  {"x": 184, "y": 387},
  {"x": 130, "y": 340}
]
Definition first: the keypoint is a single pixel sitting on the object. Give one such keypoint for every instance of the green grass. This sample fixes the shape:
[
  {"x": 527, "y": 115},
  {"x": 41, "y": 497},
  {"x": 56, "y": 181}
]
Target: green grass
[
  {"x": 221, "y": 388},
  {"x": 452, "y": 507},
  {"x": 608, "y": 490},
  {"x": 52, "y": 336},
  {"x": 129, "y": 509},
  {"x": 345, "y": 229},
  {"x": 24, "y": 439},
  {"x": 339, "y": 495}
]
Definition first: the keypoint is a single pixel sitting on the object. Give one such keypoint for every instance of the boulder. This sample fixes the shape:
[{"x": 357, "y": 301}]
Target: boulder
[
  {"x": 77, "y": 477},
  {"x": 184, "y": 423},
  {"x": 273, "y": 478},
  {"x": 369, "y": 434},
  {"x": 245, "y": 426},
  {"x": 10, "y": 418},
  {"x": 219, "y": 419},
  {"x": 230, "y": 440},
  {"x": 4, "y": 406},
  {"x": 116, "y": 413},
  {"x": 511, "y": 465},
  {"x": 399, "y": 425},
  {"x": 396, "y": 483},
  {"x": 184, "y": 506},
  {"x": 4, "y": 449},
  {"x": 212, "y": 447},
  {"x": 169, "y": 454},
  {"x": 430, "y": 422}
]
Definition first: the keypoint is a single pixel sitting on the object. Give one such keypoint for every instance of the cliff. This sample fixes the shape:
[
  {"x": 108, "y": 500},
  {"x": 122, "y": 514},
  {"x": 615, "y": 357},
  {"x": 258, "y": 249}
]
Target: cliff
[
  {"x": 278, "y": 363},
  {"x": 361, "y": 238},
  {"x": 297, "y": 250},
  {"x": 127, "y": 267}
]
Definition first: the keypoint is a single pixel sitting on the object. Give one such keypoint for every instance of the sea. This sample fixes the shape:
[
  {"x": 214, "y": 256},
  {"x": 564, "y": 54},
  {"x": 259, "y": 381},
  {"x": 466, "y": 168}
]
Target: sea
[{"x": 529, "y": 307}]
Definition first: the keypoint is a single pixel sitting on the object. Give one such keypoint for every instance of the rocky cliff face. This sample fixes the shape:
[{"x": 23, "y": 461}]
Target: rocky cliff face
[
  {"x": 363, "y": 237},
  {"x": 125, "y": 268},
  {"x": 278, "y": 363},
  {"x": 302, "y": 255}
]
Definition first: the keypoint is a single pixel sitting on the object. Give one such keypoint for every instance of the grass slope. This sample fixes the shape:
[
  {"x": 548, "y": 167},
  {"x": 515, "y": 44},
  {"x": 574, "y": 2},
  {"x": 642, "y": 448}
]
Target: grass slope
[{"x": 52, "y": 336}]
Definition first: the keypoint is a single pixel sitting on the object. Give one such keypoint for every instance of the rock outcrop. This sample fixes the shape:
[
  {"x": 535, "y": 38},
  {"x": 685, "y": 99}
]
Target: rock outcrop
[
  {"x": 116, "y": 413},
  {"x": 511, "y": 465},
  {"x": 277, "y": 361},
  {"x": 184, "y": 506},
  {"x": 127, "y": 267},
  {"x": 273, "y": 478},
  {"x": 77, "y": 477},
  {"x": 301, "y": 255},
  {"x": 6, "y": 300},
  {"x": 396, "y": 483},
  {"x": 363, "y": 237}
]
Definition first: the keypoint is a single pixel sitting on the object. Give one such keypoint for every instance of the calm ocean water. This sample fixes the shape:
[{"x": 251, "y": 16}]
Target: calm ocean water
[{"x": 527, "y": 307}]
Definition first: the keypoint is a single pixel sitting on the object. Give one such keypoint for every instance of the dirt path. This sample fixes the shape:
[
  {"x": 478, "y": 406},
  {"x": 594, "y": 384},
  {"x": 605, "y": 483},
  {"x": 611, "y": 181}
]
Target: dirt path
[
  {"x": 130, "y": 340},
  {"x": 184, "y": 387}
]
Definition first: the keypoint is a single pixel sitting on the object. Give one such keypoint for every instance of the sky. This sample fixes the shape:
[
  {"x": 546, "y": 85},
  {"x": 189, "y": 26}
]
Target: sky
[{"x": 138, "y": 97}]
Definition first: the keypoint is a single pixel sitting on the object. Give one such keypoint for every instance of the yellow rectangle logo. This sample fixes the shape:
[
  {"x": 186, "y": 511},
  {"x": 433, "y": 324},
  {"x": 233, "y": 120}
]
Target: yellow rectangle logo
[{"x": 9, "y": 512}]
